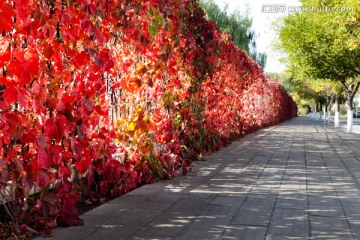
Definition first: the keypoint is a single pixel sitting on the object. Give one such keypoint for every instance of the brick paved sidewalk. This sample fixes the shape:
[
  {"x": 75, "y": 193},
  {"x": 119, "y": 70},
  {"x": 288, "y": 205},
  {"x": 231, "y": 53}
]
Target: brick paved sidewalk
[{"x": 297, "y": 180}]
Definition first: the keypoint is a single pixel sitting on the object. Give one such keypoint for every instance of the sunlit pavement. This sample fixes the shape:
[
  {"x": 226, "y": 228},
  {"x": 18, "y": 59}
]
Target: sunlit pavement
[{"x": 297, "y": 180}]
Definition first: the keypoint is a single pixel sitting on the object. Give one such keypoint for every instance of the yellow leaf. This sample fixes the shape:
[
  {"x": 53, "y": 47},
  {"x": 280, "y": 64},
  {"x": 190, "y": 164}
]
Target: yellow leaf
[
  {"x": 147, "y": 119},
  {"x": 141, "y": 68},
  {"x": 352, "y": 46},
  {"x": 131, "y": 126}
]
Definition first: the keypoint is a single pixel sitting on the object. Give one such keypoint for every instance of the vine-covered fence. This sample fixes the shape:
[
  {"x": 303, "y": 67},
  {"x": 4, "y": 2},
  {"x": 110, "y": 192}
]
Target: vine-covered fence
[{"x": 100, "y": 97}]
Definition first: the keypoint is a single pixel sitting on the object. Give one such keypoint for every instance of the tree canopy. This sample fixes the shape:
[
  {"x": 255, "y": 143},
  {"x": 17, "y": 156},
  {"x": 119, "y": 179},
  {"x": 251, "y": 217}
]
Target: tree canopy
[{"x": 322, "y": 42}]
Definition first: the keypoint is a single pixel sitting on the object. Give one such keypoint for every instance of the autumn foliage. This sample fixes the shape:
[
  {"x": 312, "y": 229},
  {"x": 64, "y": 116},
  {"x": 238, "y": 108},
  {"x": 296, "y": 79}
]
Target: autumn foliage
[{"x": 99, "y": 97}]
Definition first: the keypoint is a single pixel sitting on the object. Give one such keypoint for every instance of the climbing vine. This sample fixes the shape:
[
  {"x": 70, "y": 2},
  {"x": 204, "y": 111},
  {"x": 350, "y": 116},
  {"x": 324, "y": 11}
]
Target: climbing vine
[{"x": 100, "y": 97}]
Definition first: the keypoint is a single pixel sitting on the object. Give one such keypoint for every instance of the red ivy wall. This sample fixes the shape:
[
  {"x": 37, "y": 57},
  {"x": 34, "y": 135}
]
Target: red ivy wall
[{"x": 115, "y": 94}]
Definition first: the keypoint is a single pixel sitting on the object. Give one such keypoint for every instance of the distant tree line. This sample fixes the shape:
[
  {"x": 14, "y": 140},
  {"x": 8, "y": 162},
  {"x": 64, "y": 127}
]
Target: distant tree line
[{"x": 238, "y": 26}]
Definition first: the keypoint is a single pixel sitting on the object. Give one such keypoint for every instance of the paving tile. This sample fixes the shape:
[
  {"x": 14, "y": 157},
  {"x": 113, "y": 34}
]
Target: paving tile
[
  {"x": 289, "y": 222},
  {"x": 231, "y": 200},
  {"x": 129, "y": 201},
  {"x": 152, "y": 237},
  {"x": 213, "y": 217},
  {"x": 161, "y": 229},
  {"x": 95, "y": 220},
  {"x": 293, "y": 200},
  {"x": 192, "y": 204},
  {"x": 245, "y": 232},
  {"x": 282, "y": 237},
  {"x": 107, "y": 210},
  {"x": 113, "y": 232},
  {"x": 354, "y": 222},
  {"x": 72, "y": 233},
  {"x": 258, "y": 216},
  {"x": 134, "y": 218},
  {"x": 147, "y": 190},
  {"x": 213, "y": 234},
  {"x": 351, "y": 206},
  {"x": 329, "y": 227},
  {"x": 167, "y": 196},
  {"x": 325, "y": 206},
  {"x": 323, "y": 210}
]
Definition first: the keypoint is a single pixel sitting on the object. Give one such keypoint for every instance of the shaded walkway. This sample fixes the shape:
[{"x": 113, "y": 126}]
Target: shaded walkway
[{"x": 297, "y": 180}]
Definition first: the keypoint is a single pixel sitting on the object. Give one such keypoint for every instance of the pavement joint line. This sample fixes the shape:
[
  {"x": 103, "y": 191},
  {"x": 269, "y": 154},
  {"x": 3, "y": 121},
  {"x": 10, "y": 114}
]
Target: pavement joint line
[
  {"x": 307, "y": 191},
  {"x": 250, "y": 159},
  {"x": 277, "y": 196},
  {"x": 341, "y": 204},
  {"x": 337, "y": 195}
]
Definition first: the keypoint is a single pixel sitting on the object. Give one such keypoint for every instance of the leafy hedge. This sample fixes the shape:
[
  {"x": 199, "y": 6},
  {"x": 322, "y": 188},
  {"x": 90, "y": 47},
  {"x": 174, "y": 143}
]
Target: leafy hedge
[{"x": 99, "y": 97}]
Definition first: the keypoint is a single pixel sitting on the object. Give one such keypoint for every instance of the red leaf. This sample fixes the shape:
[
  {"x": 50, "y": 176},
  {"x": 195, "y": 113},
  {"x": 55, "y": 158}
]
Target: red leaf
[
  {"x": 28, "y": 136},
  {"x": 47, "y": 50},
  {"x": 57, "y": 60},
  {"x": 13, "y": 118},
  {"x": 41, "y": 140},
  {"x": 5, "y": 81},
  {"x": 67, "y": 155},
  {"x": 56, "y": 150},
  {"x": 4, "y": 176},
  {"x": 2, "y": 162},
  {"x": 44, "y": 160},
  {"x": 7, "y": 140},
  {"x": 53, "y": 130},
  {"x": 104, "y": 186},
  {"x": 42, "y": 179},
  {"x": 24, "y": 228},
  {"x": 83, "y": 165},
  {"x": 37, "y": 206},
  {"x": 10, "y": 95},
  {"x": 23, "y": 98},
  {"x": 3, "y": 105},
  {"x": 66, "y": 103},
  {"x": 64, "y": 172},
  {"x": 100, "y": 111},
  {"x": 81, "y": 59},
  {"x": 52, "y": 224},
  {"x": 27, "y": 182},
  {"x": 6, "y": 13},
  {"x": 15, "y": 68},
  {"x": 52, "y": 102},
  {"x": 4, "y": 50}
]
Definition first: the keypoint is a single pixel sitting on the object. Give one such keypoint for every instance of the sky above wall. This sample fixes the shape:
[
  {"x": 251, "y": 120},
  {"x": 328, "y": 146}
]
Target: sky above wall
[{"x": 264, "y": 13}]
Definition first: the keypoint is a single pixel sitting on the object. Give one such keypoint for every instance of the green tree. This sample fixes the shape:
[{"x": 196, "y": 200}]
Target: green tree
[
  {"x": 238, "y": 26},
  {"x": 300, "y": 90},
  {"x": 323, "y": 43}
]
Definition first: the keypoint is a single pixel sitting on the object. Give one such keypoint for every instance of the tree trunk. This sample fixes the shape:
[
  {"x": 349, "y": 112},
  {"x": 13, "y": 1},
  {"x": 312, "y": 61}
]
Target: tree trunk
[
  {"x": 350, "y": 119},
  {"x": 351, "y": 91},
  {"x": 337, "y": 114},
  {"x": 320, "y": 110},
  {"x": 308, "y": 109},
  {"x": 329, "y": 101},
  {"x": 326, "y": 109},
  {"x": 350, "y": 112}
]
